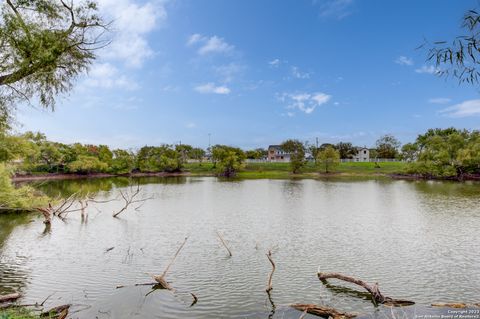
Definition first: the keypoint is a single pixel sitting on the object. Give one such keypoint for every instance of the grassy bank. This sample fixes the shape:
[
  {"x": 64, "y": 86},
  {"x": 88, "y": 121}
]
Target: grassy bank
[{"x": 282, "y": 170}]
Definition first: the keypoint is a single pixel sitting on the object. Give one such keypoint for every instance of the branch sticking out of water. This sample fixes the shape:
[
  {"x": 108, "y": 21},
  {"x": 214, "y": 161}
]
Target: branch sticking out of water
[
  {"x": 161, "y": 279},
  {"x": 224, "y": 244},
  {"x": 130, "y": 198},
  {"x": 269, "y": 284}
]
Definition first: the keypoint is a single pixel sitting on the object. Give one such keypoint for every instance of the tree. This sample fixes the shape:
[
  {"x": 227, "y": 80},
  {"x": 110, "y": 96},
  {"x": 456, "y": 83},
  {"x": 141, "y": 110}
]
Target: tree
[
  {"x": 228, "y": 159},
  {"x": 44, "y": 46},
  {"x": 328, "y": 159},
  {"x": 123, "y": 162},
  {"x": 459, "y": 58},
  {"x": 387, "y": 146},
  {"x": 447, "y": 153},
  {"x": 346, "y": 150},
  {"x": 159, "y": 159},
  {"x": 409, "y": 152},
  {"x": 296, "y": 149},
  {"x": 86, "y": 164},
  {"x": 258, "y": 153},
  {"x": 197, "y": 153}
]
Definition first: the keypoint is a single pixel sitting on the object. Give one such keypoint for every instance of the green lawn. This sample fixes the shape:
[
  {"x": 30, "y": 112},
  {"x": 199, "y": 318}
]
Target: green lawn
[{"x": 282, "y": 170}]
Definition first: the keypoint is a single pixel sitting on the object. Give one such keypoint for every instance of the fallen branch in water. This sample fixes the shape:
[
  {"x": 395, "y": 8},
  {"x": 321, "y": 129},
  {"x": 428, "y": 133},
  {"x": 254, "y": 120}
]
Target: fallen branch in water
[
  {"x": 269, "y": 284},
  {"x": 161, "y": 279},
  {"x": 325, "y": 312},
  {"x": 129, "y": 198},
  {"x": 377, "y": 296},
  {"x": 10, "y": 297},
  {"x": 224, "y": 244}
]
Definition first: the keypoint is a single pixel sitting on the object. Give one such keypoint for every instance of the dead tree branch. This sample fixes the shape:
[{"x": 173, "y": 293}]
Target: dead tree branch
[
  {"x": 321, "y": 311},
  {"x": 374, "y": 290},
  {"x": 129, "y": 199},
  {"x": 224, "y": 243},
  {"x": 269, "y": 284},
  {"x": 161, "y": 279}
]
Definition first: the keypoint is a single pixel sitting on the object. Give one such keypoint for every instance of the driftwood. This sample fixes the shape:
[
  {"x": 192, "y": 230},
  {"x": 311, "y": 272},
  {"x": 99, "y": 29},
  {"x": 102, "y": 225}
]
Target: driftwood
[
  {"x": 160, "y": 279},
  {"x": 59, "y": 312},
  {"x": 9, "y": 297},
  {"x": 325, "y": 312},
  {"x": 374, "y": 290},
  {"x": 129, "y": 199},
  {"x": 224, "y": 244},
  {"x": 269, "y": 284}
]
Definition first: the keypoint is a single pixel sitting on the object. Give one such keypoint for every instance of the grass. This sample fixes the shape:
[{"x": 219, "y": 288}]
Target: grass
[
  {"x": 17, "y": 313},
  {"x": 282, "y": 170}
]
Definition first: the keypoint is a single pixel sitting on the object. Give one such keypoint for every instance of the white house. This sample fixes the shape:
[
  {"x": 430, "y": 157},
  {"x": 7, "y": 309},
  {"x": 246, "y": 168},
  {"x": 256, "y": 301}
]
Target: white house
[{"x": 363, "y": 155}]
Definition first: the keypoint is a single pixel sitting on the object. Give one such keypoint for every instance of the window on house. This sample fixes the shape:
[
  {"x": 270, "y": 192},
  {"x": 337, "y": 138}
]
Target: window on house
[{"x": 364, "y": 152}]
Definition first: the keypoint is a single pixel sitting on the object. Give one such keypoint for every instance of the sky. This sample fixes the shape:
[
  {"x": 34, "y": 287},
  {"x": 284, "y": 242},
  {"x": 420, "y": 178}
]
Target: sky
[{"x": 251, "y": 73}]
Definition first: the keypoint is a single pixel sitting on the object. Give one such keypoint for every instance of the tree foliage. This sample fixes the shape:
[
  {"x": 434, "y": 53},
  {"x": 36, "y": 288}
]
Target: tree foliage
[
  {"x": 328, "y": 159},
  {"x": 228, "y": 159},
  {"x": 447, "y": 153},
  {"x": 460, "y": 57},
  {"x": 44, "y": 46},
  {"x": 296, "y": 149},
  {"x": 346, "y": 150},
  {"x": 387, "y": 146}
]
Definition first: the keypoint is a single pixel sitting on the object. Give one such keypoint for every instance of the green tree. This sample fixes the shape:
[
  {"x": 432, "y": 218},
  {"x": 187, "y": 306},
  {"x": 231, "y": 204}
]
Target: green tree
[
  {"x": 459, "y": 57},
  {"x": 296, "y": 149},
  {"x": 409, "y": 152},
  {"x": 387, "y": 146},
  {"x": 44, "y": 46},
  {"x": 328, "y": 159},
  {"x": 346, "y": 150},
  {"x": 159, "y": 159},
  {"x": 17, "y": 198},
  {"x": 197, "y": 153},
  {"x": 257, "y": 153},
  {"x": 86, "y": 164},
  {"x": 123, "y": 162},
  {"x": 228, "y": 159}
]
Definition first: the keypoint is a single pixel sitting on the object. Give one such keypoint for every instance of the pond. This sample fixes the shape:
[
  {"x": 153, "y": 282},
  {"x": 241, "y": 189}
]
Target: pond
[{"x": 418, "y": 240}]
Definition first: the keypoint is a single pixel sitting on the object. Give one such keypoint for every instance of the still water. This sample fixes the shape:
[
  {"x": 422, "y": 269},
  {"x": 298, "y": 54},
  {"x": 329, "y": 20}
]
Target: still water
[{"x": 419, "y": 240}]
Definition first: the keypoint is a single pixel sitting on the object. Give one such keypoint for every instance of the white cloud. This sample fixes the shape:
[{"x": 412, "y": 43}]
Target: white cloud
[
  {"x": 207, "y": 45},
  {"x": 439, "y": 100},
  {"x": 209, "y": 88},
  {"x": 190, "y": 125},
  {"x": 305, "y": 102},
  {"x": 430, "y": 69},
  {"x": 131, "y": 24},
  {"x": 298, "y": 74},
  {"x": 464, "y": 109},
  {"x": 275, "y": 63},
  {"x": 335, "y": 8},
  {"x": 105, "y": 75},
  {"x": 403, "y": 60}
]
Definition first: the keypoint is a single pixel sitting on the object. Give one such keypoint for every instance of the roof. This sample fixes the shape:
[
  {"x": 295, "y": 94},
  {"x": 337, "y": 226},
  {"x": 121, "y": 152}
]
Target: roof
[{"x": 276, "y": 147}]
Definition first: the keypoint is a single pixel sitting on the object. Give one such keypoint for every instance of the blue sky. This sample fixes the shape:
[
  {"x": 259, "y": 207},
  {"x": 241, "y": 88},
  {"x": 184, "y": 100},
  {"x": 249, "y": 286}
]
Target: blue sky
[{"x": 253, "y": 73}]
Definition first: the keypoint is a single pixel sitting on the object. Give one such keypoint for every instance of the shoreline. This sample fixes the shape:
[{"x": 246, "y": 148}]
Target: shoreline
[
  {"x": 242, "y": 175},
  {"x": 64, "y": 176}
]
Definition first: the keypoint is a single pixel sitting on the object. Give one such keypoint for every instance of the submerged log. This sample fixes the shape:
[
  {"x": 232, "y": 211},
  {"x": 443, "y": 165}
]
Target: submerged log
[
  {"x": 322, "y": 311},
  {"x": 374, "y": 290},
  {"x": 224, "y": 244},
  {"x": 9, "y": 297}
]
